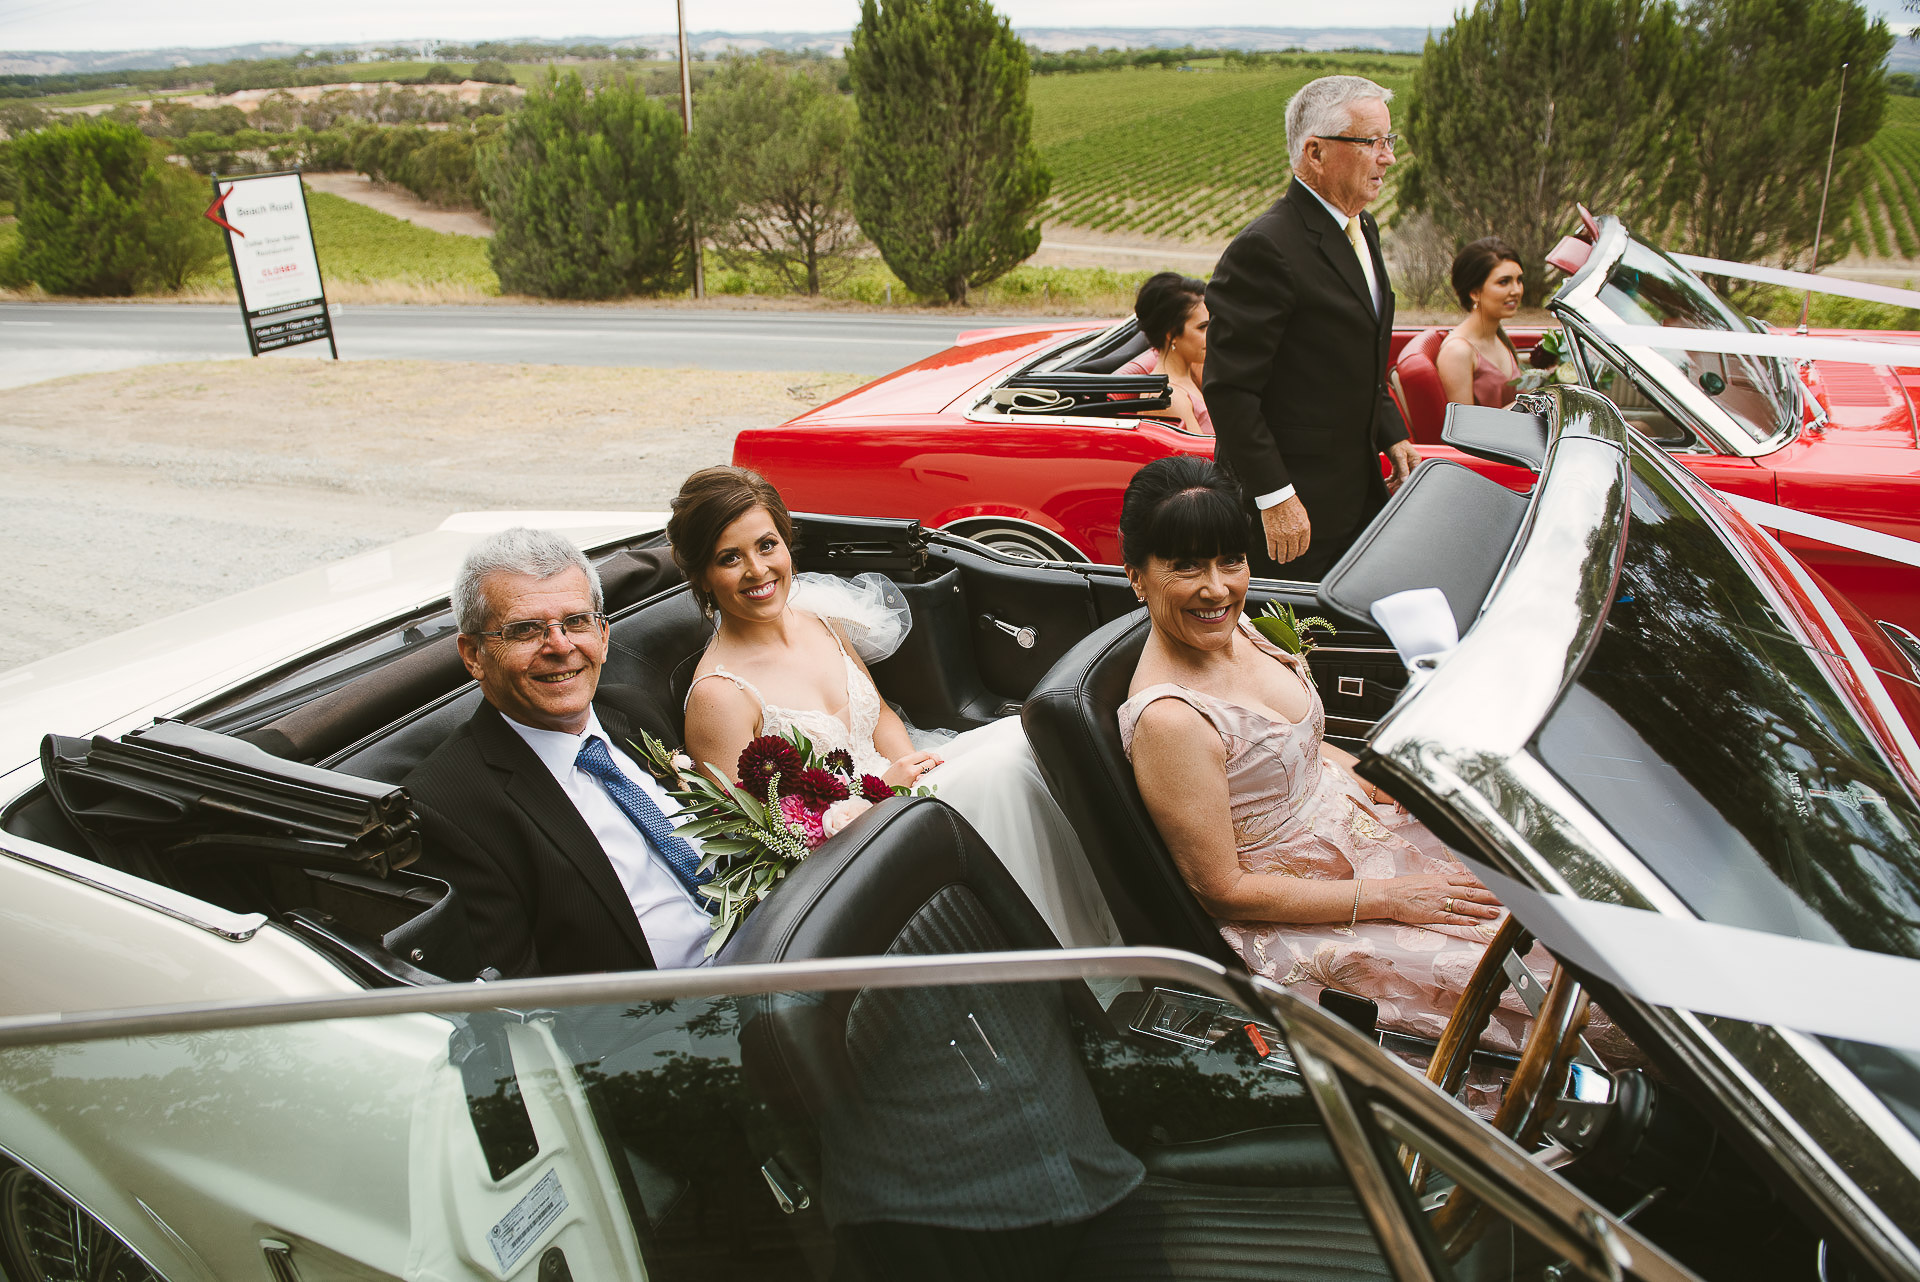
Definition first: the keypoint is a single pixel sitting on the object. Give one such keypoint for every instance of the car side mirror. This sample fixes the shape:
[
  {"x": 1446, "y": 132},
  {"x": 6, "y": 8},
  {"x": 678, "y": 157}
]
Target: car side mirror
[{"x": 1712, "y": 383}]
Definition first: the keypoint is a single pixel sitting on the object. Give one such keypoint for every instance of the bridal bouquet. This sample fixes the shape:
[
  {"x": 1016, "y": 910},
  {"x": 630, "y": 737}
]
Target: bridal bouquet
[{"x": 789, "y": 800}]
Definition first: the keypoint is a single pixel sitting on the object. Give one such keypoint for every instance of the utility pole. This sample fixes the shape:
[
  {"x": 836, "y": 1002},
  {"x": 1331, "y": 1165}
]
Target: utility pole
[
  {"x": 1820, "y": 226},
  {"x": 686, "y": 116}
]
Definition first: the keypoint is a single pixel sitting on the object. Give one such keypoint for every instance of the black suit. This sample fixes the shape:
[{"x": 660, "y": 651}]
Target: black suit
[
  {"x": 1296, "y": 373},
  {"x": 541, "y": 896}
]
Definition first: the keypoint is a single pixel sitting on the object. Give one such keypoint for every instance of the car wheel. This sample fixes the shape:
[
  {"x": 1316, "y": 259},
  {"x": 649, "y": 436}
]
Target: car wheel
[
  {"x": 1018, "y": 540},
  {"x": 45, "y": 1236}
]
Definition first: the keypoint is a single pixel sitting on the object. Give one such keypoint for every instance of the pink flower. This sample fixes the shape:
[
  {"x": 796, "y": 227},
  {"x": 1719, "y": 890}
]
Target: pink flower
[
  {"x": 842, "y": 813},
  {"x": 804, "y": 821}
]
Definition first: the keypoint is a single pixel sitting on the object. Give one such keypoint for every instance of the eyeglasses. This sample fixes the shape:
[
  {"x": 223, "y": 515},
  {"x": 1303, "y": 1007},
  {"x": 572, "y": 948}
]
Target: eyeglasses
[
  {"x": 528, "y": 631},
  {"x": 1383, "y": 142}
]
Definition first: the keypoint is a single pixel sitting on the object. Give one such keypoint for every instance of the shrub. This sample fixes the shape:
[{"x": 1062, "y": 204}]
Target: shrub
[
  {"x": 81, "y": 207},
  {"x": 767, "y": 172},
  {"x": 493, "y": 71},
  {"x": 103, "y": 212},
  {"x": 946, "y": 179},
  {"x": 585, "y": 193}
]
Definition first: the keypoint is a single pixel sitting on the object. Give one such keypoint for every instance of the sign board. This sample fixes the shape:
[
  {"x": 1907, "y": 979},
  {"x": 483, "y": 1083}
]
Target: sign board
[{"x": 270, "y": 247}]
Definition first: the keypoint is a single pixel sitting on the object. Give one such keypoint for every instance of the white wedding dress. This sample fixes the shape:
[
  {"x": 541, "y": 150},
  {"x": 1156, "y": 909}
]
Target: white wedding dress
[{"x": 990, "y": 777}]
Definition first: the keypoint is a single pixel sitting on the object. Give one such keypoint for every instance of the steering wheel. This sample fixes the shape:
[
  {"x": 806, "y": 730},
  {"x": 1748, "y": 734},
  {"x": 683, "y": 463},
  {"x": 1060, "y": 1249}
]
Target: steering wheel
[{"x": 1528, "y": 1103}]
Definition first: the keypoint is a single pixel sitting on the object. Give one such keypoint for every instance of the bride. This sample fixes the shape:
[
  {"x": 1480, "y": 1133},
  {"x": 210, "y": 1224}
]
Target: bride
[{"x": 776, "y": 664}]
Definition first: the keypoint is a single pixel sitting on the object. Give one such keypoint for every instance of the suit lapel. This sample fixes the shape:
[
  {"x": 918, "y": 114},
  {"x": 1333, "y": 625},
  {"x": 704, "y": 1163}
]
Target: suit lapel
[
  {"x": 1371, "y": 231},
  {"x": 533, "y": 788},
  {"x": 1331, "y": 236}
]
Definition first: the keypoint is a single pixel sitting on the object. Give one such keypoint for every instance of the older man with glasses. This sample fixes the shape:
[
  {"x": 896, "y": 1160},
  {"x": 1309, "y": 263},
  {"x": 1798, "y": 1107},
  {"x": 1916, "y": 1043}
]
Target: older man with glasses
[
  {"x": 559, "y": 840},
  {"x": 1297, "y": 356}
]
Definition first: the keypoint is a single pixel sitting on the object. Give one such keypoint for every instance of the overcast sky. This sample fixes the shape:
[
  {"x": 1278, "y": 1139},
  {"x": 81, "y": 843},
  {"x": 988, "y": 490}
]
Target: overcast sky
[{"x": 135, "y": 24}]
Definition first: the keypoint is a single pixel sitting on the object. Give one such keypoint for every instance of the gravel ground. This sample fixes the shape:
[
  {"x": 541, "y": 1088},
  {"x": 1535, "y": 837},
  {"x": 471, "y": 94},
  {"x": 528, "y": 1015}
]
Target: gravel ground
[{"x": 135, "y": 494}]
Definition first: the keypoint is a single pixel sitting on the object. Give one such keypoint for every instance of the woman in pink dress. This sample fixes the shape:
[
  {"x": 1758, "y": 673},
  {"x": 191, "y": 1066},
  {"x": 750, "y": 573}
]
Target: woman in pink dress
[
  {"x": 1478, "y": 363},
  {"x": 1317, "y": 879},
  {"x": 1172, "y": 312}
]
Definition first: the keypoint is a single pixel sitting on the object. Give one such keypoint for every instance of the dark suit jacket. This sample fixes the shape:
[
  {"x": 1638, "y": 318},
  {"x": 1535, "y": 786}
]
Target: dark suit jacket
[
  {"x": 541, "y": 896},
  {"x": 1297, "y": 363}
]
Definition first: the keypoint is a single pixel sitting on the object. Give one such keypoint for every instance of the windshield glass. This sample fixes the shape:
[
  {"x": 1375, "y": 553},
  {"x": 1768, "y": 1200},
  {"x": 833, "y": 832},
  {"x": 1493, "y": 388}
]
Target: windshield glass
[
  {"x": 1715, "y": 746},
  {"x": 1647, "y": 288},
  {"x": 944, "y": 1130}
]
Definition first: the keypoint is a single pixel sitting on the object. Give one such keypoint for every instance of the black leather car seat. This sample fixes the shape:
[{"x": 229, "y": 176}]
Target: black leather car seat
[
  {"x": 875, "y": 1077},
  {"x": 1072, "y": 722}
]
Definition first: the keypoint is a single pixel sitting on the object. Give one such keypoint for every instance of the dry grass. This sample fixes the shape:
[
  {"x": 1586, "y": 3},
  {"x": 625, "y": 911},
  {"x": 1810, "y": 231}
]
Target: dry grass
[{"x": 162, "y": 487}]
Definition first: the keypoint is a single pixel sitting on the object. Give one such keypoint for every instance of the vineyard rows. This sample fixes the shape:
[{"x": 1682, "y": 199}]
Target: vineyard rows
[
  {"x": 1886, "y": 220},
  {"x": 1184, "y": 155}
]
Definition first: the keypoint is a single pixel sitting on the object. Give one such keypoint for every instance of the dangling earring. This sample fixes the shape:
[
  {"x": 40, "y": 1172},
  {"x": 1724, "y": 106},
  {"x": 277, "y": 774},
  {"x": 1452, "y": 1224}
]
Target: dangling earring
[{"x": 706, "y": 605}]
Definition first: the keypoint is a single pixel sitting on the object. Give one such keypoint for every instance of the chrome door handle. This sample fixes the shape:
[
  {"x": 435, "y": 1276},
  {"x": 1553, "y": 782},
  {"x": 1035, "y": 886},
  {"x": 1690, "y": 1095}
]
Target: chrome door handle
[{"x": 1023, "y": 637}]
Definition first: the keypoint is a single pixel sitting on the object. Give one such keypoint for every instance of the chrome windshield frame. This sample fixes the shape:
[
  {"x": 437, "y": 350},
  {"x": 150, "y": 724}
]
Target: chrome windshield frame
[
  {"x": 1577, "y": 305},
  {"x": 1336, "y": 1061}
]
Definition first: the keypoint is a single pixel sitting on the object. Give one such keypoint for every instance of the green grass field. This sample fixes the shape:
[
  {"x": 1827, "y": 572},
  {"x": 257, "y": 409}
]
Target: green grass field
[
  {"x": 1887, "y": 217},
  {"x": 1190, "y": 155},
  {"x": 366, "y": 247}
]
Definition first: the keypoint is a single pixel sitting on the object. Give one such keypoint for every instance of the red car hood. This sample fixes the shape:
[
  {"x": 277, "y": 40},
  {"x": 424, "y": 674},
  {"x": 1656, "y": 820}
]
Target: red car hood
[{"x": 1870, "y": 404}]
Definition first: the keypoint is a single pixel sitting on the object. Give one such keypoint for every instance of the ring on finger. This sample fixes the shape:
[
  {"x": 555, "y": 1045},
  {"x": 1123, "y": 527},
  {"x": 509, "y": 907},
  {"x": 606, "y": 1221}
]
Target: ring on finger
[{"x": 1446, "y": 905}]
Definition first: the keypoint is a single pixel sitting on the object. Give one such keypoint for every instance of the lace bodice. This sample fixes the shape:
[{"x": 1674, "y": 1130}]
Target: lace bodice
[{"x": 826, "y": 730}]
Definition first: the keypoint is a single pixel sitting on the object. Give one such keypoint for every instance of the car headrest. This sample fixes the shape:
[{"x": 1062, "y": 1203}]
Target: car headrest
[
  {"x": 657, "y": 649},
  {"x": 1422, "y": 398},
  {"x": 910, "y": 875},
  {"x": 1108, "y": 361},
  {"x": 1072, "y": 721},
  {"x": 1448, "y": 527}
]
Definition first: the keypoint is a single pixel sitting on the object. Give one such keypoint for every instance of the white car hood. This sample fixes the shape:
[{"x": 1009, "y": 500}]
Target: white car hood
[{"x": 126, "y": 680}]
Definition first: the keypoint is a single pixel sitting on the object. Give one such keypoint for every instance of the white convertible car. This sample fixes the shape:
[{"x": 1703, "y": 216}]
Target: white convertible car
[{"x": 241, "y": 1036}]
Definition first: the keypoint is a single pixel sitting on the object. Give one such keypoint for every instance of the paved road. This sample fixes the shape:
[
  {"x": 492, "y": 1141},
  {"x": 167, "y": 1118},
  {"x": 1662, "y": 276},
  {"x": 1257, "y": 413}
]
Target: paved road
[{"x": 47, "y": 340}]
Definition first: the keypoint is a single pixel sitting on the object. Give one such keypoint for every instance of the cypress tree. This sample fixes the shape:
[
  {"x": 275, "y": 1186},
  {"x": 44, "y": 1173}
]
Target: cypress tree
[
  {"x": 1523, "y": 107},
  {"x": 585, "y": 195},
  {"x": 946, "y": 179}
]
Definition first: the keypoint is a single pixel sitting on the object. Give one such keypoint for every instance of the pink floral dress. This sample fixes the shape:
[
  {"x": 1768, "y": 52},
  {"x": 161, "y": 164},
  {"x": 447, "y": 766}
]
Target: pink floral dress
[{"x": 1298, "y": 814}]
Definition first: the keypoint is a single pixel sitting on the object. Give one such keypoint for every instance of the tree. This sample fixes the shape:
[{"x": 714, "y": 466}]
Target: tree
[
  {"x": 767, "y": 176},
  {"x": 81, "y": 207},
  {"x": 585, "y": 193},
  {"x": 103, "y": 212},
  {"x": 180, "y": 241},
  {"x": 1523, "y": 107},
  {"x": 1761, "y": 81},
  {"x": 946, "y": 179}
]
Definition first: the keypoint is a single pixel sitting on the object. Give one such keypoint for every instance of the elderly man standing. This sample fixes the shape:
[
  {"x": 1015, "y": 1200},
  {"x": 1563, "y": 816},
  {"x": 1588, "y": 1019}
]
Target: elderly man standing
[
  {"x": 560, "y": 842},
  {"x": 1297, "y": 356}
]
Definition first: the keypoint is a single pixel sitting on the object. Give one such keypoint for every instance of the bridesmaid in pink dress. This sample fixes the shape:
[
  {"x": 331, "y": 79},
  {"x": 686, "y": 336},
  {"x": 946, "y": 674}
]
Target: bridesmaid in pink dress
[
  {"x": 1478, "y": 364},
  {"x": 1172, "y": 312},
  {"x": 1318, "y": 879}
]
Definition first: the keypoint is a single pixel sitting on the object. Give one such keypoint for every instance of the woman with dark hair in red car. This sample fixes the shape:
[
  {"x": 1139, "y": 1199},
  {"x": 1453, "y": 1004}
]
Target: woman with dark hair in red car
[
  {"x": 1478, "y": 363},
  {"x": 1172, "y": 312}
]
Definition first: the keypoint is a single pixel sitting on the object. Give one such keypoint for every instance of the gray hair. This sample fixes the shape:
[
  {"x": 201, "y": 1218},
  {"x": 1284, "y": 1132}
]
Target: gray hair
[
  {"x": 1324, "y": 108},
  {"x": 539, "y": 554}
]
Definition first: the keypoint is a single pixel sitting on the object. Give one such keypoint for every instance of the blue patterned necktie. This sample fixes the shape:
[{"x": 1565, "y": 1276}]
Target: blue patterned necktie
[{"x": 638, "y": 806}]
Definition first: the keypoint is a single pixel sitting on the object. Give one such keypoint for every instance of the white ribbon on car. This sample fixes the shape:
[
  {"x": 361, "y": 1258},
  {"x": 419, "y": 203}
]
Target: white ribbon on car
[
  {"x": 1682, "y": 963},
  {"x": 1800, "y": 280},
  {"x": 1822, "y": 529},
  {"x": 1420, "y": 623},
  {"x": 1741, "y": 343}
]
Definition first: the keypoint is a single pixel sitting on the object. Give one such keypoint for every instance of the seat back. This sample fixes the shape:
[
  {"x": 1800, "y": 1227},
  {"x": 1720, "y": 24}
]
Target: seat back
[
  {"x": 1072, "y": 721},
  {"x": 1423, "y": 402}
]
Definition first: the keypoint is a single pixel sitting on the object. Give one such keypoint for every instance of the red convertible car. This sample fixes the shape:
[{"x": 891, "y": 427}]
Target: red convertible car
[{"x": 1015, "y": 438}]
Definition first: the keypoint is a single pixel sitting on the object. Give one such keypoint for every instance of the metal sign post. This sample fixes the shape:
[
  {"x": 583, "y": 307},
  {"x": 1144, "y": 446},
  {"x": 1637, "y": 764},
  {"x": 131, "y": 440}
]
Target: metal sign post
[{"x": 275, "y": 269}]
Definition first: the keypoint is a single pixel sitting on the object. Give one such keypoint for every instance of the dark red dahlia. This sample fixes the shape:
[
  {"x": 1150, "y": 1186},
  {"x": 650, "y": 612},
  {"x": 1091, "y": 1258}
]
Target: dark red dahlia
[
  {"x": 818, "y": 788},
  {"x": 874, "y": 788},
  {"x": 763, "y": 760},
  {"x": 840, "y": 761}
]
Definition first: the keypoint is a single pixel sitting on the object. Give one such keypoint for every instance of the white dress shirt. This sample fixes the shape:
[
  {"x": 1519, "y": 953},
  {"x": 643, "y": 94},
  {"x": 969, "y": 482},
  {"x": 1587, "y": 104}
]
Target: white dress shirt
[
  {"x": 677, "y": 929},
  {"x": 1274, "y": 498}
]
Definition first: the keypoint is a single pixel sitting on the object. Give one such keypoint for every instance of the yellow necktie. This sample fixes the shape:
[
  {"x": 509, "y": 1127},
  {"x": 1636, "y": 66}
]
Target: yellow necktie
[{"x": 1359, "y": 243}]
